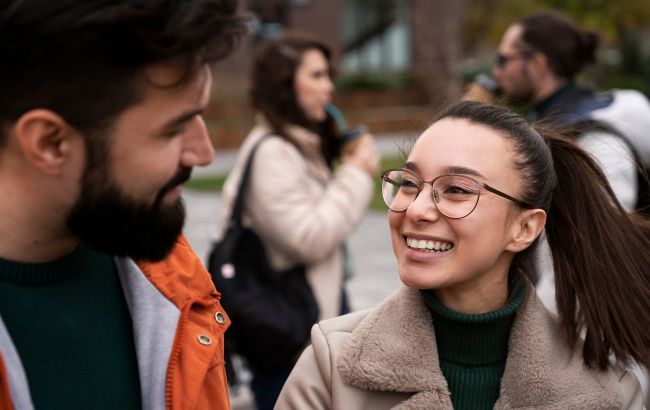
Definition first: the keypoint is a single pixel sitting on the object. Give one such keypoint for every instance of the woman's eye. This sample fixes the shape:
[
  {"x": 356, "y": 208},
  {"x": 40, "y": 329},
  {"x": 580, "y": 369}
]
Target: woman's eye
[
  {"x": 454, "y": 189},
  {"x": 408, "y": 183}
]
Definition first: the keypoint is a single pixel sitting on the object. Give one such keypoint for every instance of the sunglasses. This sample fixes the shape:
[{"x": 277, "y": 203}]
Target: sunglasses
[{"x": 500, "y": 60}]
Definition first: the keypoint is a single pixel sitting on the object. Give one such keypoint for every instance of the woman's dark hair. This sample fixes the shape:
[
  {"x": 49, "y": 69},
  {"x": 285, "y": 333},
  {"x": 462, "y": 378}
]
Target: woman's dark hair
[
  {"x": 601, "y": 254},
  {"x": 272, "y": 87},
  {"x": 84, "y": 59},
  {"x": 567, "y": 47}
]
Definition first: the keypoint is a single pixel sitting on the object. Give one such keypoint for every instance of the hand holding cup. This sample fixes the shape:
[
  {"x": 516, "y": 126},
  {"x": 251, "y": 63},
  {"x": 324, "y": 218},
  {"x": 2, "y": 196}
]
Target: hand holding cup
[{"x": 362, "y": 152}]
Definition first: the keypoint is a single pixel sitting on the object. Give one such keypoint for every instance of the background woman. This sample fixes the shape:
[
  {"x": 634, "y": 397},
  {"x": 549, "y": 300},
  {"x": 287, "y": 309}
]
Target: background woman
[
  {"x": 302, "y": 207},
  {"x": 468, "y": 330}
]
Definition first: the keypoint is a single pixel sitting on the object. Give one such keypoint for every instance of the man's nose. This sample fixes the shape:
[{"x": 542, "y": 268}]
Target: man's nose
[
  {"x": 198, "y": 149},
  {"x": 495, "y": 71}
]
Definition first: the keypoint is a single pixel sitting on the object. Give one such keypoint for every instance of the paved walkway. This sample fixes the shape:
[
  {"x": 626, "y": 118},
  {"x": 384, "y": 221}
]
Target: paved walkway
[{"x": 375, "y": 266}]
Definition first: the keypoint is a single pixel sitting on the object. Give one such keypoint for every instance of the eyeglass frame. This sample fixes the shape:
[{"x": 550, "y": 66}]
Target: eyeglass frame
[
  {"x": 501, "y": 60},
  {"x": 421, "y": 183}
]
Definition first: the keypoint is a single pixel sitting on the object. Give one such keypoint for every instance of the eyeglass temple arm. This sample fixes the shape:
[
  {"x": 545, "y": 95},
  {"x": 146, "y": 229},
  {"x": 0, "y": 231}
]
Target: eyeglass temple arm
[{"x": 506, "y": 196}]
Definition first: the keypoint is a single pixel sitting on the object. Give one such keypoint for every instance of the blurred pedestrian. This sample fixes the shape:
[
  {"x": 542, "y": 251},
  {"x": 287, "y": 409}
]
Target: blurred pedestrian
[
  {"x": 468, "y": 330},
  {"x": 307, "y": 190},
  {"x": 538, "y": 60},
  {"x": 537, "y": 63},
  {"x": 103, "y": 304}
]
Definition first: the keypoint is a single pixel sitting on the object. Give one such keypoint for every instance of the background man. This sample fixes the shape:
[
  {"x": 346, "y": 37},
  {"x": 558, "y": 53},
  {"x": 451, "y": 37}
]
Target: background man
[
  {"x": 102, "y": 302},
  {"x": 537, "y": 61}
]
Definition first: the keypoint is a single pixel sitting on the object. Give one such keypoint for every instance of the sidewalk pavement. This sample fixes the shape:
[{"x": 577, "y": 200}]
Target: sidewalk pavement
[{"x": 372, "y": 256}]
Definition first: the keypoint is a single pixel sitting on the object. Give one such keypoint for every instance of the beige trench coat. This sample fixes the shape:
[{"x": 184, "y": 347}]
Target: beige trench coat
[
  {"x": 386, "y": 358},
  {"x": 300, "y": 209}
]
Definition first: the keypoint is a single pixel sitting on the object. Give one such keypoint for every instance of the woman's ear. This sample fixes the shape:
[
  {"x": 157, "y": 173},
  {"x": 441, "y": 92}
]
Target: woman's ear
[
  {"x": 44, "y": 138},
  {"x": 525, "y": 229}
]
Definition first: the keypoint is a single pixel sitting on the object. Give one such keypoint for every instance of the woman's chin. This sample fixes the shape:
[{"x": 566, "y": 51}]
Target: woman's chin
[
  {"x": 418, "y": 278},
  {"x": 317, "y": 116}
]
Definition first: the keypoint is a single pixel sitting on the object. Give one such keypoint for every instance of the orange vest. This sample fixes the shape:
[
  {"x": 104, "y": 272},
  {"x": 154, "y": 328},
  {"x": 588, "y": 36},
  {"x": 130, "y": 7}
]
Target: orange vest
[{"x": 196, "y": 376}]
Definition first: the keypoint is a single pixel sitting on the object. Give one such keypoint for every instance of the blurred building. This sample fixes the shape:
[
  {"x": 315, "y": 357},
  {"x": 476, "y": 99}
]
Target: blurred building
[{"x": 395, "y": 58}]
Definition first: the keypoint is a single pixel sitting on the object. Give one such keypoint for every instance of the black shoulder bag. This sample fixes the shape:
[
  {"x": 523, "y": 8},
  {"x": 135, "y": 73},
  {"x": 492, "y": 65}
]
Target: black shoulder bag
[{"x": 272, "y": 312}]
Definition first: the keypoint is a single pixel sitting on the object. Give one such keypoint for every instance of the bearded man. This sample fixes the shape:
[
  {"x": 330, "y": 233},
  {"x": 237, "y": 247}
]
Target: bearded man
[{"x": 102, "y": 302}]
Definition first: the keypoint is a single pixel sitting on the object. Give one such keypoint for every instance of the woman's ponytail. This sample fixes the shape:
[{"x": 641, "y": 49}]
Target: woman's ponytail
[{"x": 601, "y": 258}]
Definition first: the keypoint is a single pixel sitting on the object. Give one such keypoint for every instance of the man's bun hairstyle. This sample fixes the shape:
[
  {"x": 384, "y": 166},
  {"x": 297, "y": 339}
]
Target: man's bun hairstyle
[{"x": 567, "y": 47}]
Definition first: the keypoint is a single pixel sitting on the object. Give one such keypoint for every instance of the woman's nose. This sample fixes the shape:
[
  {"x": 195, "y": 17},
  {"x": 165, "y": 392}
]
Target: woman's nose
[
  {"x": 423, "y": 206},
  {"x": 329, "y": 86}
]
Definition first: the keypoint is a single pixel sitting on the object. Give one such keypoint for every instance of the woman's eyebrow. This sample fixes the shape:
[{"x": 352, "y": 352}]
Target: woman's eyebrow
[
  {"x": 452, "y": 169},
  {"x": 411, "y": 166}
]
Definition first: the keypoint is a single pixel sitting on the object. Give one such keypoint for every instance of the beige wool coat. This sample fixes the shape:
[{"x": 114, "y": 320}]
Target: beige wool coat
[
  {"x": 302, "y": 211},
  {"x": 386, "y": 358}
]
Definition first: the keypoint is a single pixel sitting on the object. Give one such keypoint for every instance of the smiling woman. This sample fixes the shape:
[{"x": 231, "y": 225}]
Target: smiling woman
[{"x": 468, "y": 331}]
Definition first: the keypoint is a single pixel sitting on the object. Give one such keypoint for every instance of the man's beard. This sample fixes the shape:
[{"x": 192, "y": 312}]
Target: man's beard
[
  {"x": 524, "y": 92},
  {"x": 105, "y": 218}
]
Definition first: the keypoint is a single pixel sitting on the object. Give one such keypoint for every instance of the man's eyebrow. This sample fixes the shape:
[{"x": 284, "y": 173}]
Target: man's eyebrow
[{"x": 183, "y": 118}]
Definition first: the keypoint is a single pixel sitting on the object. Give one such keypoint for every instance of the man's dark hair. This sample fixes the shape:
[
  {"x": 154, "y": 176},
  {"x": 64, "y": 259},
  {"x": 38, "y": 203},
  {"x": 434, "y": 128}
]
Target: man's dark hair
[
  {"x": 567, "y": 47},
  {"x": 83, "y": 59}
]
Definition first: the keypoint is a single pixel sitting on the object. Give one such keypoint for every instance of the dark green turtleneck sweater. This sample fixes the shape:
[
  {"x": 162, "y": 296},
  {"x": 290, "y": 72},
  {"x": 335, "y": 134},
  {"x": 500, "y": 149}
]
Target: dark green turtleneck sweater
[
  {"x": 71, "y": 326},
  {"x": 473, "y": 348}
]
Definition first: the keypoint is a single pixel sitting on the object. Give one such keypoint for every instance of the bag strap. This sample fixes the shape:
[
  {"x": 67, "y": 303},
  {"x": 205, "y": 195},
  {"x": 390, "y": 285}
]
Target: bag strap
[
  {"x": 237, "y": 210},
  {"x": 598, "y": 102}
]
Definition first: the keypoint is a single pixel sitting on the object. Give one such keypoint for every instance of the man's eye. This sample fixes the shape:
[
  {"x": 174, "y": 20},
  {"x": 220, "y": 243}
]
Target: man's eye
[{"x": 173, "y": 132}]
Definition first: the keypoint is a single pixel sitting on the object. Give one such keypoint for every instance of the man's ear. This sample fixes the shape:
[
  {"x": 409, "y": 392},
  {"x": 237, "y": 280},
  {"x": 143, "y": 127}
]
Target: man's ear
[
  {"x": 525, "y": 229},
  {"x": 538, "y": 62},
  {"x": 45, "y": 140}
]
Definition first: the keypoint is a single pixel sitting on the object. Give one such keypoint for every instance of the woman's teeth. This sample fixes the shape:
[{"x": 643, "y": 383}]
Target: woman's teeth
[{"x": 428, "y": 245}]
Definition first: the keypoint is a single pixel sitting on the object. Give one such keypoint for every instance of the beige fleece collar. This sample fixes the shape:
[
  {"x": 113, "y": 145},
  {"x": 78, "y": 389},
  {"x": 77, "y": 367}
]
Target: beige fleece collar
[{"x": 394, "y": 349}]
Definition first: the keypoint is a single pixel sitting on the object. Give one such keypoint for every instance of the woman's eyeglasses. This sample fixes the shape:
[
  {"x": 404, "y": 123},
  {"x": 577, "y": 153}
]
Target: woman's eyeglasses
[{"x": 455, "y": 196}]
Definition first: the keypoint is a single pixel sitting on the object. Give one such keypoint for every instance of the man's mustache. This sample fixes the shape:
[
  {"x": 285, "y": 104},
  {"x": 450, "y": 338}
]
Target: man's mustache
[{"x": 182, "y": 176}]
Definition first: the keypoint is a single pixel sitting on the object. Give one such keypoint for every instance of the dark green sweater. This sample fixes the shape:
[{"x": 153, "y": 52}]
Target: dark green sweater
[
  {"x": 473, "y": 349},
  {"x": 71, "y": 326}
]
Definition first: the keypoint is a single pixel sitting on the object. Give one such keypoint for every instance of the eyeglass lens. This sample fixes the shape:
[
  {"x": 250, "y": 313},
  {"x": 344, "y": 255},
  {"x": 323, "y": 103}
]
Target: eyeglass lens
[
  {"x": 455, "y": 196},
  {"x": 500, "y": 60}
]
